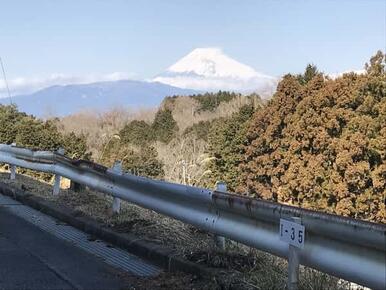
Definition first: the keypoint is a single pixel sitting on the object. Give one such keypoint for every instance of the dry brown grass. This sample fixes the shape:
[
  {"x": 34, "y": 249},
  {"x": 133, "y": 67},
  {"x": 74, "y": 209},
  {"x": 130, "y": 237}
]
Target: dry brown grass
[
  {"x": 185, "y": 110},
  {"x": 184, "y": 159},
  {"x": 99, "y": 127}
]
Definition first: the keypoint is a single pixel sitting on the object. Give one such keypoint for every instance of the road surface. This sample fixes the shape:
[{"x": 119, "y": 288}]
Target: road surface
[{"x": 31, "y": 257}]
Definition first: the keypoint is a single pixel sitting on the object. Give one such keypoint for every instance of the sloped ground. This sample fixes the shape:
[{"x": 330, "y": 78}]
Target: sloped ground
[{"x": 240, "y": 267}]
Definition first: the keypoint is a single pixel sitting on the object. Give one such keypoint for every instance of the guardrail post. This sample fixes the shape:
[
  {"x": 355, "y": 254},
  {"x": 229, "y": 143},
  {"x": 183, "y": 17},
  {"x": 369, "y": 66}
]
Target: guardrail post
[
  {"x": 12, "y": 168},
  {"x": 117, "y": 167},
  {"x": 56, "y": 189},
  {"x": 293, "y": 262},
  {"x": 219, "y": 240}
]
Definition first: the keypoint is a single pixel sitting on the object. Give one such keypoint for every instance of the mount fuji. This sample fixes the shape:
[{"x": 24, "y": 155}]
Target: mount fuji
[
  {"x": 202, "y": 70},
  {"x": 209, "y": 69}
]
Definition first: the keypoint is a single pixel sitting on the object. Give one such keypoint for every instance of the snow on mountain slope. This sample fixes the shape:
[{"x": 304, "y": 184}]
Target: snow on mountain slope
[
  {"x": 211, "y": 62},
  {"x": 209, "y": 69}
]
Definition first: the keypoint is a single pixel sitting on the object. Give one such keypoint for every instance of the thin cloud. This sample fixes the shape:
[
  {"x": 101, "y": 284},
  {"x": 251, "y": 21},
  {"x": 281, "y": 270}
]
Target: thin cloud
[{"x": 339, "y": 74}]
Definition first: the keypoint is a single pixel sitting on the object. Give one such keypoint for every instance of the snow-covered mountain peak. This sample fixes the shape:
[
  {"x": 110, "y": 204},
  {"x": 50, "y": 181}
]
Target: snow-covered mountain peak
[
  {"x": 211, "y": 62},
  {"x": 210, "y": 69}
]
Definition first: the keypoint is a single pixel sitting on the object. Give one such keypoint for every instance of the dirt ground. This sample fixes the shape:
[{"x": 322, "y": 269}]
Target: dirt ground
[{"x": 167, "y": 281}]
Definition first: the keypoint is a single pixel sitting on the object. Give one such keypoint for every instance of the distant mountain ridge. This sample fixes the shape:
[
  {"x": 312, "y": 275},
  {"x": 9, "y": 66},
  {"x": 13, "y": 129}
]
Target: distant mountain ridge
[{"x": 62, "y": 100}]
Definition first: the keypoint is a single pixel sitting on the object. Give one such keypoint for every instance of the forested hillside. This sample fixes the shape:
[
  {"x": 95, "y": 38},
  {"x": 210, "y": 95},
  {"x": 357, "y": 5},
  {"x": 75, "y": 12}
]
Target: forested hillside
[{"x": 173, "y": 145}]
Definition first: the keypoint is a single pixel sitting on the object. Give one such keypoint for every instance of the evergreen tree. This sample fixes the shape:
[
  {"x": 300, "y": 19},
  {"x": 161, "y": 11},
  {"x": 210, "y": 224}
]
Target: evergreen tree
[
  {"x": 310, "y": 72},
  {"x": 137, "y": 132},
  {"x": 143, "y": 162},
  {"x": 28, "y": 131},
  {"x": 225, "y": 141},
  {"x": 164, "y": 126}
]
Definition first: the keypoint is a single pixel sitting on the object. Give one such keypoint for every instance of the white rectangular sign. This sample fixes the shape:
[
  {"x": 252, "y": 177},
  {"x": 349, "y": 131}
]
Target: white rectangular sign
[{"x": 292, "y": 233}]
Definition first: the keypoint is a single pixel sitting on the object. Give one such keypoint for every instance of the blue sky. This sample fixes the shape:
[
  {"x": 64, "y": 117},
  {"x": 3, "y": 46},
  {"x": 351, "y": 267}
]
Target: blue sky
[{"x": 141, "y": 38}]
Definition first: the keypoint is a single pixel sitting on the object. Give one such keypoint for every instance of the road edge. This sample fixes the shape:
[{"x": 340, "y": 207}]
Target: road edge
[{"x": 159, "y": 255}]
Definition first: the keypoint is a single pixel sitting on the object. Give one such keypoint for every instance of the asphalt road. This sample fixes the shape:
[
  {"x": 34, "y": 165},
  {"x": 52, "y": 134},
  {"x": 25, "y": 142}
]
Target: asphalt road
[{"x": 34, "y": 259}]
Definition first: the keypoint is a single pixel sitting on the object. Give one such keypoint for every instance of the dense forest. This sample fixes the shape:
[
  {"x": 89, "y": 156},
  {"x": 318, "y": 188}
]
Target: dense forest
[{"x": 318, "y": 143}]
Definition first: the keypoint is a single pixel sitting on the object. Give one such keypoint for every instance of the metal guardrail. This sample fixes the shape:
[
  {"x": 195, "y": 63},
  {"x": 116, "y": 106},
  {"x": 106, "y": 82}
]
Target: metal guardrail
[{"x": 343, "y": 247}]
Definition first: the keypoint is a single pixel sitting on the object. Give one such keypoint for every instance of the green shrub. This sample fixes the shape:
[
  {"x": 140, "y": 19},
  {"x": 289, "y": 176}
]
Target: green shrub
[
  {"x": 164, "y": 126},
  {"x": 139, "y": 160},
  {"x": 225, "y": 141},
  {"x": 30, "y": 132},
  {"x": 200, "y": 130},
  {"x": 143, "y": 162},
  {"x": 210, "y": 101},
  {"x": 137, "y": 133}
]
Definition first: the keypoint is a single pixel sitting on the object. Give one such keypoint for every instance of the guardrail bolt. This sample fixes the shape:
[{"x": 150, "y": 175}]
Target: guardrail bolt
[
  {"x": 56, "y": 189},
  {"x": 117, "y": 168},
  {"x": 219, "y": 240},
  {"x": 77, "y": 187},
  {"x": 293, "y": 262}
]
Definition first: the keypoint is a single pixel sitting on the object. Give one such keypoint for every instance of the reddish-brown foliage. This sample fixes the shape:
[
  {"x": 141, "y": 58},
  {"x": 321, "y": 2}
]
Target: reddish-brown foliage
[{"x": 321, "y": 144}]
